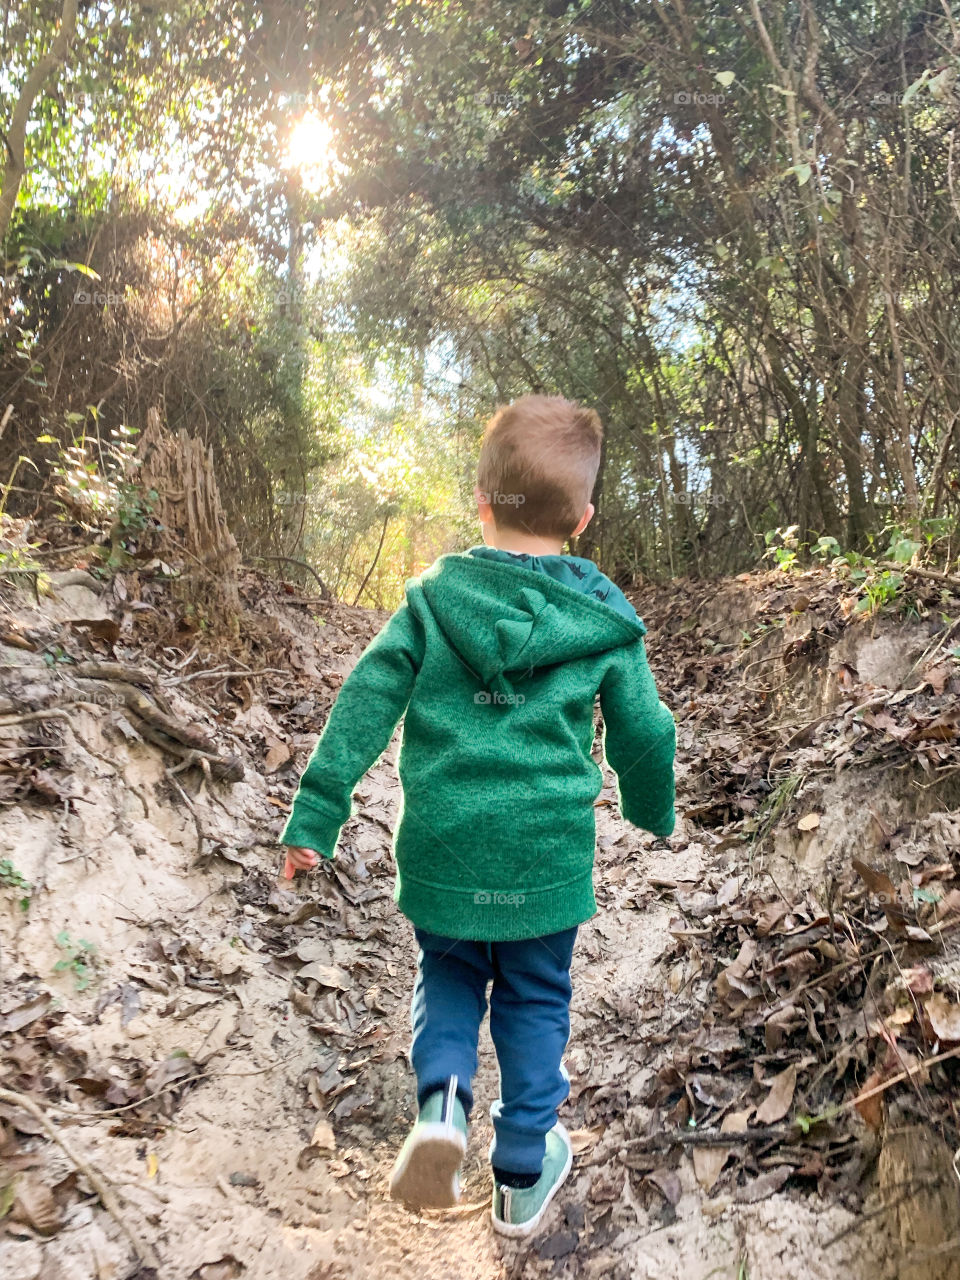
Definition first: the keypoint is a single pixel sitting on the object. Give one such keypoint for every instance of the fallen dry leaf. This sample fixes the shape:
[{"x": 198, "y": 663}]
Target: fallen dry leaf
[
  {"x": 809, "y": 822},
  {"x": 780, "y": 1098},
  {"x": 871, "y": 1109},
  {"x": 324, "y": 1138},
  {"x": 667, "y": 1183},
  {"x": 731, "y": 978},
  {"x": 944, "y": 1017},
  {"x": 708, "y": 1162},
  {"x": 583, "y": 1139},
  {"x": 35, "y": 1206},
  {"x": 328, "y": 975},
  {"x": 278, "y": 753}
]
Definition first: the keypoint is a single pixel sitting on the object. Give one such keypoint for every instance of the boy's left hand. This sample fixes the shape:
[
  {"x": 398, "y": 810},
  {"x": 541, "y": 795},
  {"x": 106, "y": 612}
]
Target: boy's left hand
[{"x": 298, "y": 859}]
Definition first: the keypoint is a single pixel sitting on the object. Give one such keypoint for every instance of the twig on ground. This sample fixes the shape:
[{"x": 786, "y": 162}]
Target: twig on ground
[
  {"x": 173, "y": 1084},
  {"x": 97, "y": 1180}
]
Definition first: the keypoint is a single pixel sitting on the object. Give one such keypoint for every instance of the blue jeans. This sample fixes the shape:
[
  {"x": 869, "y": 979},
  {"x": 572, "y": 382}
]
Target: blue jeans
[{"x": 529, "y": 1024}]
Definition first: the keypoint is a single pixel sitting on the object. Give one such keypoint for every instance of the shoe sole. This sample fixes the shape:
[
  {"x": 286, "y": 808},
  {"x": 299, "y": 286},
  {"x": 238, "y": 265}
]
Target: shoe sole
[
  {"x": 425, "y": 1174},
  {"x": 519, "y": 1229}
]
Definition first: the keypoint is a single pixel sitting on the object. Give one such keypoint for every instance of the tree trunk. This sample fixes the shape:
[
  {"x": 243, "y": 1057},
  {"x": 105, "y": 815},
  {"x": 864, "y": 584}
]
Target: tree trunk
[
  {"x": 15, "y": 165},
  {"x": 193, "y": 528}
]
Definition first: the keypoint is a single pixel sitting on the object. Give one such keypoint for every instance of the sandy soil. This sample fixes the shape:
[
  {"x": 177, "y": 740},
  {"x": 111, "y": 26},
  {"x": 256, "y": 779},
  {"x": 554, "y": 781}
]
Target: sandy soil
[{"x": 275, "y": 1163}]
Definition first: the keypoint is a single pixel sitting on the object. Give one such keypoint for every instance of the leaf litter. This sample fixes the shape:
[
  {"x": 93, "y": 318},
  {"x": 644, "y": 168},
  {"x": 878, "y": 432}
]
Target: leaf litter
[{"x": 735, "y": 1052}]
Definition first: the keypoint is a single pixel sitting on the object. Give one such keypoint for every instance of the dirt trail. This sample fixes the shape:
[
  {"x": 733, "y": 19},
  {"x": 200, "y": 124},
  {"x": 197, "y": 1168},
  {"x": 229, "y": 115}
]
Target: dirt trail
[{"x": 275, "y": 1163}]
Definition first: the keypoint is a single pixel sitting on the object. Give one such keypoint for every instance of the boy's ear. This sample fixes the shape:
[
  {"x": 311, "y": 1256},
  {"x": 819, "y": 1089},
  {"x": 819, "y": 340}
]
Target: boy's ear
[
  {"x": 484, "y": 506},
  {"x": 584, "y": 519}
]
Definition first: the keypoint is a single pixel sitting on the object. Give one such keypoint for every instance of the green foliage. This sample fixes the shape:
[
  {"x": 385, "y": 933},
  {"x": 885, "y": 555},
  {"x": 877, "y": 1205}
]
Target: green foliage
[
  {"x": 12, "y": 881},
  {"x": 878, "y": 590},
  {"x": 653, "y": 233},
  {"x": 783, "y": 547},
  {"x": 80, "y": 958}
]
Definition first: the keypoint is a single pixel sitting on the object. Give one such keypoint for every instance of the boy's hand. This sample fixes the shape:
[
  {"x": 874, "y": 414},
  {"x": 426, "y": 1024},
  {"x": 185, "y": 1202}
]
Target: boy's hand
[{"x": 298, "y": 860}]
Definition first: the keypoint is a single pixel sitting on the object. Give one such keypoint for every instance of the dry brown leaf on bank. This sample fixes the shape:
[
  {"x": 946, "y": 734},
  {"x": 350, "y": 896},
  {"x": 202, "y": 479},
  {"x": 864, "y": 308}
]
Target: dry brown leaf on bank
[
  {"x": 765, "y": 1185},
  {"x": 322, "y": 1142},
  {"x": 780, "y": 1098},
  {"x": 877, "y": 882},
  {"x": 328, "y": 975},
  {"x": 22, "y": 1015},
  {"x": 944, "y": 1017},
  {"x": 871, "y": 1108},
  {"x": 667, "y": 1183},
  {"x": 215, "y": 1041},
  {"x": 708, "y": 1162},
  {"x": 583, "y": 1139},
  {"x": 35, "y": 1206},
  {"x": 732, "y": 978},
  {"x": 809, "y": 822},
  {"x": 919, "y": 980},
  {"x": 769, "y": 916},
  {"x": 225, "y": 1268},
  {"x": 278, "y": 753}
]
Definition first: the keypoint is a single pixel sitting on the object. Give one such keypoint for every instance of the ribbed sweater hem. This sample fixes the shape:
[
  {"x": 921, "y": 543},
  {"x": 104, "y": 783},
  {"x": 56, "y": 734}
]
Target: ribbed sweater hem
[{"x": 495, "y": 914}]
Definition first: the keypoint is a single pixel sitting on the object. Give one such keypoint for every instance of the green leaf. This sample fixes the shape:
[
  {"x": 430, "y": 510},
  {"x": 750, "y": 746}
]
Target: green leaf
[
  {"x": 926, "y": 895},
  {"x": 7, "y": 1196},
  {"x": 75, "y": 266},
  {"x": 904, "y": 550},
  {"x": 915, "y": 88}
]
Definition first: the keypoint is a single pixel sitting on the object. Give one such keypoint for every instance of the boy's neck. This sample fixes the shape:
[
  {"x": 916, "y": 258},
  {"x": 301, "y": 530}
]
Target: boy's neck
[{"x": 521, "y": 543}]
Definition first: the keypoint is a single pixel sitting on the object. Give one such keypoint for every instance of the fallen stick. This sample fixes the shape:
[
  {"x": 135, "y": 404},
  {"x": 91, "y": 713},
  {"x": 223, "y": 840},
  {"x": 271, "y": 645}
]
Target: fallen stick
[
  {"x": 934, "y": 575},
  {"x": 110, "y": 671},
  {"x": 713, "y": 1138},
  {"x": 776, "y": 1132},
  {"x": 105, "y": 1194}
]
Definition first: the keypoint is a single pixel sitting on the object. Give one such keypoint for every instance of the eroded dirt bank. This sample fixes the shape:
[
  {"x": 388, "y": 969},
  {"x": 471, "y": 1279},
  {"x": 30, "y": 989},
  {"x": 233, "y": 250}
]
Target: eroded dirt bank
[{"x": 230, "y": 1054}]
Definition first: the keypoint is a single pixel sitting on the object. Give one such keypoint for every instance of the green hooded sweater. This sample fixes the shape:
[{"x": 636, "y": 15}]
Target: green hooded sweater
[{"x": 496, "y": 668}]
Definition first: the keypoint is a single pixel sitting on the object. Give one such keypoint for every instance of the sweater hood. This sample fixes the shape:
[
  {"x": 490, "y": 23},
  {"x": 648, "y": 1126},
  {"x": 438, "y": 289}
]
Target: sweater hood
[{"x": 505, "y": 621}]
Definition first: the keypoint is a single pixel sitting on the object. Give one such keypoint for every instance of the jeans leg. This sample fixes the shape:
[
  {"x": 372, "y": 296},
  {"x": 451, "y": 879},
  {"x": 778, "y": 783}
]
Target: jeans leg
[
  {"x": 530, "y": 1025},
  {"x": 449, "y": 1001}
]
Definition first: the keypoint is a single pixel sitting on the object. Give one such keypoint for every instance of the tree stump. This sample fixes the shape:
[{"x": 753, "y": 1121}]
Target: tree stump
[
  {"x": 193, "y": 527},
  {"x": 917, "y": 1178}
]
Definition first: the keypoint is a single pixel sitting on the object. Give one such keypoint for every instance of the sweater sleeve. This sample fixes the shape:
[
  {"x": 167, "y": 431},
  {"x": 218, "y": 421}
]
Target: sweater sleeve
[
  {"x": 640, "y": 737},
  {"x": 358, "y": 730}
]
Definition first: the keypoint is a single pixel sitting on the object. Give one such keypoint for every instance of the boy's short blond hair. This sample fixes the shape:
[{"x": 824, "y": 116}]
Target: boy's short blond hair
[{"x": 538, "y": 464}]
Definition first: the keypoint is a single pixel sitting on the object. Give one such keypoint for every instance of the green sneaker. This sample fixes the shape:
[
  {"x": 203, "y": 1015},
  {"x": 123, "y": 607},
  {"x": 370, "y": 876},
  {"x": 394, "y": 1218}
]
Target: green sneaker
[
  {"x": 425, "y": 1172},
  {"x": 517, "y": 1210}
]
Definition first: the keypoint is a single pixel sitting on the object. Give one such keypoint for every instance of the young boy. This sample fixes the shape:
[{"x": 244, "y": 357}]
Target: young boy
[{"x": 496, "y": 657}]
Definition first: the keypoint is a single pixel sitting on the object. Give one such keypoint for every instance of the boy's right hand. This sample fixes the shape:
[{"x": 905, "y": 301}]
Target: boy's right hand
[{"x": 298, "y": 860}]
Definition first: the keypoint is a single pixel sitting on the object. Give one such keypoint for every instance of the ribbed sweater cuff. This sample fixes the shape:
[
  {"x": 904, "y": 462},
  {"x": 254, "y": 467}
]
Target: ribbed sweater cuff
[
  {"x": 311, "y": 829},
  {"x": 662, "y": 826}
]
